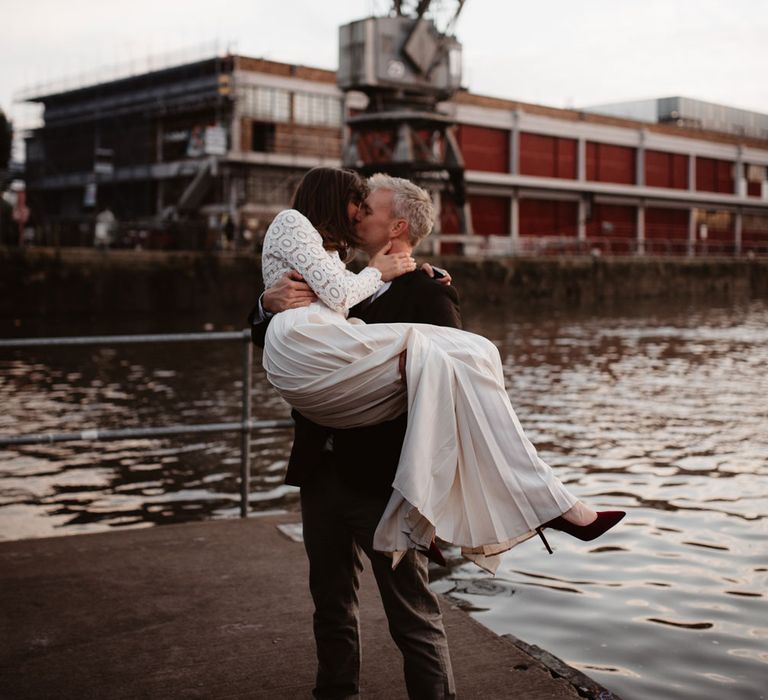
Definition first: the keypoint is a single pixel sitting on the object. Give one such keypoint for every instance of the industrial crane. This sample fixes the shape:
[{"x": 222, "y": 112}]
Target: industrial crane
[{"x": 406, "y": 66}]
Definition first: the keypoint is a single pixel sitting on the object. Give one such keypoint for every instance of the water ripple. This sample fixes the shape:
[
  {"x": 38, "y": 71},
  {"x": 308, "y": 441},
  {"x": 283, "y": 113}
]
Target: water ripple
[{"x": 660, "y": 413}]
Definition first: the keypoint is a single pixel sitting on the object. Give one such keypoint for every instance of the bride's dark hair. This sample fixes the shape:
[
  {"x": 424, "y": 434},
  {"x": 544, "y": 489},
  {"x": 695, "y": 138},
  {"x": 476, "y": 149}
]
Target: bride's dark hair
[{"x": 322, "y": 196}]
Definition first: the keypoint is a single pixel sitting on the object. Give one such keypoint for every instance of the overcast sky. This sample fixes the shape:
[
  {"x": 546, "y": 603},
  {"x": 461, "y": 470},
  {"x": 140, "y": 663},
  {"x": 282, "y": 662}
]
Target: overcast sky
[{"x": 563, "y": 53}]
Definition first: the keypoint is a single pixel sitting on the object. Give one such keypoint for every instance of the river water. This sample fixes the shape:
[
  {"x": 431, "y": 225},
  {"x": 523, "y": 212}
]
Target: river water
[{"x": 662, "y": 412}]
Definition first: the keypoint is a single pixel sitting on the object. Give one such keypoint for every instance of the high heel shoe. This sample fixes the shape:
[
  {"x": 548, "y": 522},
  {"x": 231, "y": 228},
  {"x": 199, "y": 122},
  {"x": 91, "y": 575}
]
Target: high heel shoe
[{"x": 602, "y": 523}]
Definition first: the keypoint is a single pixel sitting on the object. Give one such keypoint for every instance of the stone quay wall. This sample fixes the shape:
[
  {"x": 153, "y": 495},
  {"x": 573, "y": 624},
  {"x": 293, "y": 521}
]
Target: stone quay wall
[{"x": 41, "y": 281}]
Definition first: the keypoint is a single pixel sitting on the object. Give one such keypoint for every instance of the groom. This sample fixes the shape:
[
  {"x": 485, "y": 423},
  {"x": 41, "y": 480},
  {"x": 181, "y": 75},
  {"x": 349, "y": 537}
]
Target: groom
[{"x": 346, "y": 475}]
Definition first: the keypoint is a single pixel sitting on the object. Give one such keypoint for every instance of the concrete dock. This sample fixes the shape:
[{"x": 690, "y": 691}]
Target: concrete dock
[{"x": 218, "y": 609}]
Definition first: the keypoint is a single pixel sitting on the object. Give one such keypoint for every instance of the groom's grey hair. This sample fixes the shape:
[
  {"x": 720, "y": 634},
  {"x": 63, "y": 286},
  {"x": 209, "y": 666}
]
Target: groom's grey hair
[{"x": 410, "y": 202}]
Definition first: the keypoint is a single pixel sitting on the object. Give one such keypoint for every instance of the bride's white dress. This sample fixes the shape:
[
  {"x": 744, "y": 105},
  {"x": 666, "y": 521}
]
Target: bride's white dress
[{"x": 467, "y": 472}]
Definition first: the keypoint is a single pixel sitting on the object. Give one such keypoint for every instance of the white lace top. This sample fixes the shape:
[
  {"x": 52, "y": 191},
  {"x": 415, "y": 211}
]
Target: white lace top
[{"x": 292, "y": 243}]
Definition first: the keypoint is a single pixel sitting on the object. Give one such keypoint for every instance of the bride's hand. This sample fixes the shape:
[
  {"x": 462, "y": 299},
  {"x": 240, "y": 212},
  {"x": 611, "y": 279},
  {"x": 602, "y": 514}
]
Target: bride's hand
[{"x": 392, "y": 265}]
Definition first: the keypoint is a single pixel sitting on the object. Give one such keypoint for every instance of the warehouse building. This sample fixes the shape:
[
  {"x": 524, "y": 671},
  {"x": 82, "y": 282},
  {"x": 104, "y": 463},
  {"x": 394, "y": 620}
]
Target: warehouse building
[{"x": 192, "y": 154}]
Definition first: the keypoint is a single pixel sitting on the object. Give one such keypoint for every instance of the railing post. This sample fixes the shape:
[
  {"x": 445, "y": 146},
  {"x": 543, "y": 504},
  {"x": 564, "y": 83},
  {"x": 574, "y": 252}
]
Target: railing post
[{"x": 245, "y": 431}]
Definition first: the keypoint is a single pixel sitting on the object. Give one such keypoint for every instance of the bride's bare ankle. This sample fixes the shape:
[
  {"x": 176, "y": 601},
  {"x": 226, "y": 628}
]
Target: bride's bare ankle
[{"x": 580, "y": 514}]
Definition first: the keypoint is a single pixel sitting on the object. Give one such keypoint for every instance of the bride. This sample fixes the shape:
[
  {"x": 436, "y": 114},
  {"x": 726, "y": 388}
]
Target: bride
[{"x": 467, "y": 473}]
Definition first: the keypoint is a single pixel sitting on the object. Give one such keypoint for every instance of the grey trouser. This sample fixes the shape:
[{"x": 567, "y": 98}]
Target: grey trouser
[{"x": 338, "y": 523}]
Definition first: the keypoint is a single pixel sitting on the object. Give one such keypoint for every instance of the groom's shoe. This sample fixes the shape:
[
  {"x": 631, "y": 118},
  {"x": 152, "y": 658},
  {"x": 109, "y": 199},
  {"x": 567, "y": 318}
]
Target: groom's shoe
[{"x": 435, "y": 555}]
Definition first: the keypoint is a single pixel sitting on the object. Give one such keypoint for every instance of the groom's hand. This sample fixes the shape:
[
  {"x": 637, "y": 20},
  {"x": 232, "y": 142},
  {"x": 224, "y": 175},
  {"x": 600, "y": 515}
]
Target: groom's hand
[
  {"x": 436, "y": 273},
  {"x": 289, "y": 292}
]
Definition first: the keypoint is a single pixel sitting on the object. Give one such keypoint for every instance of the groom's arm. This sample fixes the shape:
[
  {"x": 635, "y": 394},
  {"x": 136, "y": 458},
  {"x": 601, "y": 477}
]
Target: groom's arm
[
  {"x": 292, "y": 292},
  {"x": 258, "y": 322},
  {"x": 289, "y": 292}
]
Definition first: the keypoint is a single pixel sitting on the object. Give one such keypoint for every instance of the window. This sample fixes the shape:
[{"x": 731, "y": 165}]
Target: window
[
  {"x": 262, "y": 137},
  {"x": 269, "y": 104},
  {"x": 547, "y": 156},
  {"x": 321, "y": 110},
  {"x": 714, "y": 175},
  {"x": 610, "y": 163},
  {"x": 664, "y": 169},
  {"x": 490, "y": 215},
  {"x": 484, "y": 148},
  {"x": 271, "y": 187}
]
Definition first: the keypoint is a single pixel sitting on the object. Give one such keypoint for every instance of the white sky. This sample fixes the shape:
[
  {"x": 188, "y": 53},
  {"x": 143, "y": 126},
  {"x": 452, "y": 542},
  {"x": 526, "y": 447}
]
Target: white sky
[{"x": 561, "y": 53}]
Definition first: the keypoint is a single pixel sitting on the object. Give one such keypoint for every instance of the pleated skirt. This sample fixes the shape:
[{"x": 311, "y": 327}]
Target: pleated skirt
[{"x": 467, "y": 472}]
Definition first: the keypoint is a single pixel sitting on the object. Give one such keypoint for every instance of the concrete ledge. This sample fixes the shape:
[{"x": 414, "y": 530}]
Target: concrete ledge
[{"x": 218, "y": 609}]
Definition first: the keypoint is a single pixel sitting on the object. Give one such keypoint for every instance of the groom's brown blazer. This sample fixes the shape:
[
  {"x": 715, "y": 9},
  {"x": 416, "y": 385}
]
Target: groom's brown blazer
[{"x": 367, "y": 457}]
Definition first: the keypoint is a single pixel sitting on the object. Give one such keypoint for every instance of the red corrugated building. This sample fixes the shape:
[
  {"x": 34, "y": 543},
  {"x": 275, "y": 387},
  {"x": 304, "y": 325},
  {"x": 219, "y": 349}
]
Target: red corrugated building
[{"x": 572, "y": 180}]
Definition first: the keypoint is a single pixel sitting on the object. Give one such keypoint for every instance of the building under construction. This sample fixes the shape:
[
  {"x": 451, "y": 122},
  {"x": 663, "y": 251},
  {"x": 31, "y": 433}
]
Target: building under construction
[
  {"x": 179, "y": 152},
  {"x": 190, "y": 155}
]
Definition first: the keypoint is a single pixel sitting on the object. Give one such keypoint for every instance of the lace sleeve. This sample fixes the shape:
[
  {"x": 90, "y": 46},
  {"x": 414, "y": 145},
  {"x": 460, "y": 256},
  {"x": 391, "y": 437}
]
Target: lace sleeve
[{"x": 292, "y": 243}]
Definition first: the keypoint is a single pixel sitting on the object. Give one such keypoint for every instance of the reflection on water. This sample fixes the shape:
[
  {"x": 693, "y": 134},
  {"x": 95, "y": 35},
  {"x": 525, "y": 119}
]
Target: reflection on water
[
  {"x": 661, "y": 413},
  {"x": 84, "y": 487}
]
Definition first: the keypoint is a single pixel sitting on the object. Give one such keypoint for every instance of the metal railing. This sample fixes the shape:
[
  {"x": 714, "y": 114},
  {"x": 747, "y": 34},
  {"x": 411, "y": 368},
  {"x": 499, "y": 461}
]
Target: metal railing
[
  {"x": 244, "y": 426},
  {"x": 542, "y": 246}
]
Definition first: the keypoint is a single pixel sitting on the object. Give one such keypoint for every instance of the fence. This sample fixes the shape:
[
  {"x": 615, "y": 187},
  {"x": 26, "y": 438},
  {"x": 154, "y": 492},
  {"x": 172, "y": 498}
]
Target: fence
[
  {"x": 197, "y": 236},
  {"x": 244, "y": 426},
  {"x": 542, "y": 246}
]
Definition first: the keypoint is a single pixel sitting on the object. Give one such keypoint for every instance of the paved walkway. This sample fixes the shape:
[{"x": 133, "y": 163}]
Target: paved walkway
[{"x": 212, "y": 610}]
